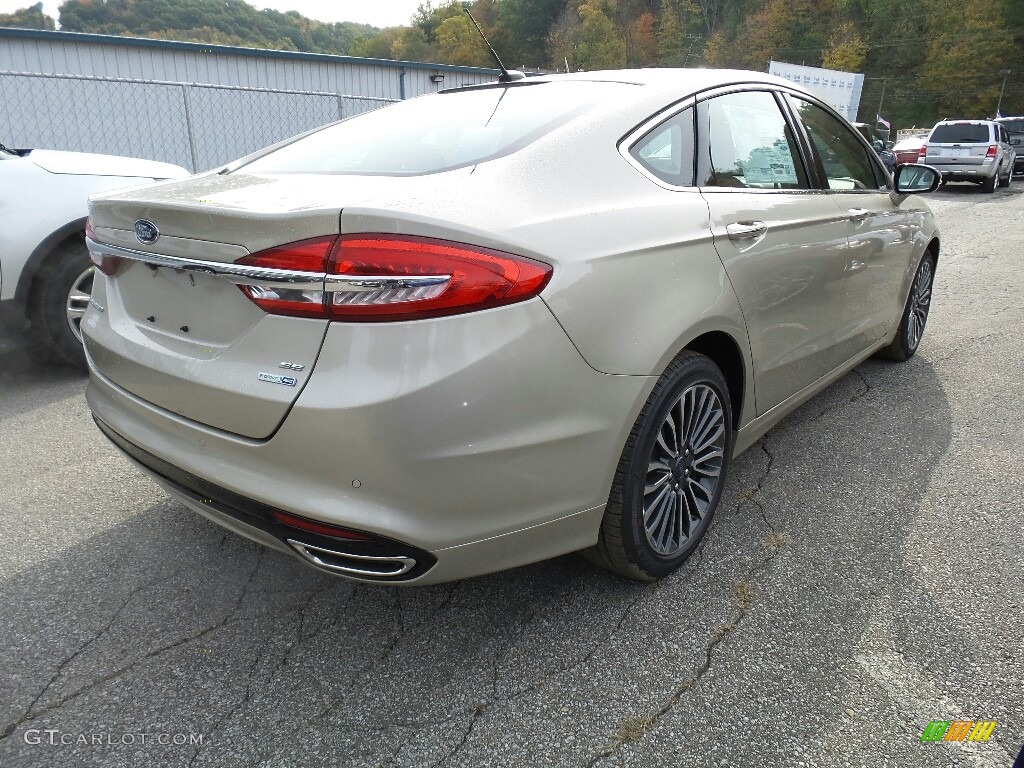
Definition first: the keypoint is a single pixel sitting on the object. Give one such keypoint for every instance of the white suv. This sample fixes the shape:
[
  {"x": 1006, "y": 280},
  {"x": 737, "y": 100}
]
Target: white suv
[
  {"x": 971, "y": 150},
  {"x": 44, "y": 266}
]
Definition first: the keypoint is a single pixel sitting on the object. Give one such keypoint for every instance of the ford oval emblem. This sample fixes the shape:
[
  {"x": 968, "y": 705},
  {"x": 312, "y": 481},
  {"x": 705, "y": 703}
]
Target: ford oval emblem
[{"x": 146, "y": 231}]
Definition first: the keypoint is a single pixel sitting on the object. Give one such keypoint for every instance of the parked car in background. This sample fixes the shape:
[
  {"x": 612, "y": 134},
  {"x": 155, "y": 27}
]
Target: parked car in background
[
  {"x": 44, "y": 266},
  {"x": 908, "y": 150},
  {"x": 971, "y": 150},
  {"x": 1015, "y": 130},
  {"x": 493, "y": 325}
]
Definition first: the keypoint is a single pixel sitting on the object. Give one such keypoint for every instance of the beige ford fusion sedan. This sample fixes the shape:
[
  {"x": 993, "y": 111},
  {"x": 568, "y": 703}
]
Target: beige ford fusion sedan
[{"x": 497, "y": 324}]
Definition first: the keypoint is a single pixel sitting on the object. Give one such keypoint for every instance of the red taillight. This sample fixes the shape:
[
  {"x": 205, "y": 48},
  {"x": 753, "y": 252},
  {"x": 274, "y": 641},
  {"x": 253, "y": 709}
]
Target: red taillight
[
  {"x": 424, "y": 277},
  {"x": 322, "y": 528},
  {"x": 379, "y": 278},
  {"x": 923, "y": 152},
  {"x": 296, "y": 299},
  {"x": 105, "y": 264},
  {"x": 992, "y": 150}
]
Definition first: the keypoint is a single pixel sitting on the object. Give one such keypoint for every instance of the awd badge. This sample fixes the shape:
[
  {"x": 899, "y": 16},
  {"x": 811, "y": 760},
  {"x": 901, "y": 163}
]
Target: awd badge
[{"x": 273, "y": 378}]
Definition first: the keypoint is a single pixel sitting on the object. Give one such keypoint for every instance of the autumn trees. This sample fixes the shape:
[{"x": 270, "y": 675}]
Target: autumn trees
[{"x": 923, "y": 59}]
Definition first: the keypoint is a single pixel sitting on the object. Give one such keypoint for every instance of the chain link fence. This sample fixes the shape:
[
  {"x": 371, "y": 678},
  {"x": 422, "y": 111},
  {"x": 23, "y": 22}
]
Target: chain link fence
[{"x": 192, "y": 125}]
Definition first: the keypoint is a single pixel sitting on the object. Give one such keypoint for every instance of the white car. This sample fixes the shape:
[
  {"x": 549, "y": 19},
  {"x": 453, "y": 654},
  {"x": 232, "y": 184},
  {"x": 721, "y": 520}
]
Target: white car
[{"x": 44, "y": 266}]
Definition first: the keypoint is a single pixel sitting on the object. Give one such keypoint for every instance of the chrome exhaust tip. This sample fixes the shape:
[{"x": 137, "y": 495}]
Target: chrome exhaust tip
[{"x": 352, "y": 564}]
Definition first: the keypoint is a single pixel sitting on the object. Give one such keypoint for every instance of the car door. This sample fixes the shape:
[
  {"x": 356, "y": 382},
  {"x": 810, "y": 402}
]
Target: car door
[
  {"x": 783, "y": 243},
  {"x": 1007, "y": 148},
  {"x": 880, "y": 230}
]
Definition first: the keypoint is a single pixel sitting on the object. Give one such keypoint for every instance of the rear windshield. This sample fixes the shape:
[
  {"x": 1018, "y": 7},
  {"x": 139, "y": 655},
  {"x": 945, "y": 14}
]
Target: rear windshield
[
  {"x": 439, "y": 132},
  {"x": 960, "y": 133},
  {"x": 1014, "y": 126}
]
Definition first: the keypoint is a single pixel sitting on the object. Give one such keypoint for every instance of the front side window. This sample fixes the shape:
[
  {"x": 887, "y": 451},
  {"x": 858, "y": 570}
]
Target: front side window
[
  {"x": 842, "y": 158},
  {"x": 749, "y": 144},
  {"x": 666, "y": 151}
]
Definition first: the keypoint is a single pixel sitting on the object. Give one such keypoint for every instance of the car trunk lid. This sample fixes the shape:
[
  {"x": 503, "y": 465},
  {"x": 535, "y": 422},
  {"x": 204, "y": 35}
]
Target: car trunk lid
[{"x": 175, "y": 329}]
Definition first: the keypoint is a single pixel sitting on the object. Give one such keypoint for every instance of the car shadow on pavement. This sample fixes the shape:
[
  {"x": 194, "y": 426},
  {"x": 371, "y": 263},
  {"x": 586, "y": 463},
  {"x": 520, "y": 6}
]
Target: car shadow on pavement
[
  {"x": 165, "y": 622},
  {"x": 29, "y": 378}
]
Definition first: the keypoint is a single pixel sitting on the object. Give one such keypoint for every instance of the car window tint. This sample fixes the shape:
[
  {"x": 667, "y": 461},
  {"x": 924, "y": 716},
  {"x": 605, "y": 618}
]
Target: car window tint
[
  {"x": 667, "y": 150},
  {"x": 1016, "y": 125},
  {"x": 439, "y": 132},
  {"x": 959, "y": 133},
  {"x": 750, "y": 144},
  {"x": 844, "y": 158}
]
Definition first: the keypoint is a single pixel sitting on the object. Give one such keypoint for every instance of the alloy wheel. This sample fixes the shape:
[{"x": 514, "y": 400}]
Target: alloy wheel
[
  {"x": 920, "y": 302},
  {"x": 78, "y": 301},
  {"x": 684, "y": 469}
]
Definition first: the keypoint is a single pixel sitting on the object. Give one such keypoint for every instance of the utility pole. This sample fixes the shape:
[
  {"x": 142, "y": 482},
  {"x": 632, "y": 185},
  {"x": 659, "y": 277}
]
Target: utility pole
[
  {"x": 878, "y": 114},
  {"x": 999, "y": 104}
]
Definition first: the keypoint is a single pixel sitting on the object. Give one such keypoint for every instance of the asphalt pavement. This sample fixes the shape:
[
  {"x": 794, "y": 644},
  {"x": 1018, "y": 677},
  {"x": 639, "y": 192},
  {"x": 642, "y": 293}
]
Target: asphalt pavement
[{"x": 863, "y": 577}]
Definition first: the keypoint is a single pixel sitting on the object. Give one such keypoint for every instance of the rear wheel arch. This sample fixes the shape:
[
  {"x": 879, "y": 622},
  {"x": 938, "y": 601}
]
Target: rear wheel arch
[{"x": 723, "y": 350}]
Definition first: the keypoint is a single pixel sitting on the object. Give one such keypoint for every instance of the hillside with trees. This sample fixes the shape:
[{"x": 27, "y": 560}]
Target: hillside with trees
[{"x": 923, "y": 59}]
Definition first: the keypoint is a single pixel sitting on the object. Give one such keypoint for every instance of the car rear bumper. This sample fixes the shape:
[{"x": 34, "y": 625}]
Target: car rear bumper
[
  {"x": 479, "y": 442},
  {"x": 956, "y": 171}
]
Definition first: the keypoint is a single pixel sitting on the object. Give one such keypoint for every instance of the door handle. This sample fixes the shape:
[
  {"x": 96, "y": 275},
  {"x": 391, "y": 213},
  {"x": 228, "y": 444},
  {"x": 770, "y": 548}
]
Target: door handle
[
  {"x": 745, "y": 230},
  {"x": 858, "y": 214}
]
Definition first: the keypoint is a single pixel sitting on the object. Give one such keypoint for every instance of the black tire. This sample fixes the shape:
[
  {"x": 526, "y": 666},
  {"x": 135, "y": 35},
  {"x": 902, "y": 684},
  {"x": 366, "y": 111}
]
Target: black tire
[
  {"x": 692, "y": 385},
  {"x": 67, "y": 266},
  {"x": 989, "y": 185},
  {"x": 906, "y": 342}
]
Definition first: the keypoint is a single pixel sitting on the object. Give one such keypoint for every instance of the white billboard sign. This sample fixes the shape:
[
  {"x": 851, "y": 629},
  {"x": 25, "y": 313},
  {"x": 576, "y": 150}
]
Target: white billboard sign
[{"x": 840, "y": 89}]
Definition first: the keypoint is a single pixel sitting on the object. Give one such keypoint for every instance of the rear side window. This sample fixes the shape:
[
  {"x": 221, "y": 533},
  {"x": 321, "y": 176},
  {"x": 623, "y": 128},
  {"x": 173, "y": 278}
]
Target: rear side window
[
  {"x": 749, "y": 144},
  {"x": 439, "y": 132},
  {"x": 666, "y": 151},
  {"x": 1013, "y": 126},
  {"x": 960, "y": 133}
]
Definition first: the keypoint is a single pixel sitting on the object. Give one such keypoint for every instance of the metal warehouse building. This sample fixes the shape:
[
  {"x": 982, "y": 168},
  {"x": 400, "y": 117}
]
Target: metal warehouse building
[{"x": 192, "y": 104}]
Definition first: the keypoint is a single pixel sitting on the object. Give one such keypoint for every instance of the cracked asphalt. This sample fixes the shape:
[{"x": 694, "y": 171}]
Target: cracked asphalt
[{"x": 862, "y": 577}]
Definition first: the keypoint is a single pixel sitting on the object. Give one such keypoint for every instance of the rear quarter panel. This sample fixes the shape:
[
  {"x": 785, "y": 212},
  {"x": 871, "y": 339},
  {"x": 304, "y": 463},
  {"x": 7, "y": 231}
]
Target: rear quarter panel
[{"x": 636, "y": 274}]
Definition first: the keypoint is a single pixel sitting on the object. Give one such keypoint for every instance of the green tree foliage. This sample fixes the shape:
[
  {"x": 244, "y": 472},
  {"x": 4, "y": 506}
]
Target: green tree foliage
[
  {"x": 922, "y": 60},
  {"x": 458, "y": 42},
  {"x": 232, "y": 22},
  {"x": 28, "y": 18},
  {"x": 600, "y": 46},
  {"x": 672, "y": 47}
]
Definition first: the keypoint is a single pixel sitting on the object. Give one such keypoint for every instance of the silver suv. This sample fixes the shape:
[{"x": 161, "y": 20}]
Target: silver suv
[
  {"x": 1015, "y": 129},
  {"x": 971, "y": 150}
]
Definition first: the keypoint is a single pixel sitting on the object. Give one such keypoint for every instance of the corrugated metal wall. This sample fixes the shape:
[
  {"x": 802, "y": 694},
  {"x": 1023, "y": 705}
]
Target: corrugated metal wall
[{"x": 194, "y": 105}]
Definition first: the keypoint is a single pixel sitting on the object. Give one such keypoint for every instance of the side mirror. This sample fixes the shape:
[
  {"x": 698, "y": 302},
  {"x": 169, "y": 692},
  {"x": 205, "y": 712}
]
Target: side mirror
[
  {"x": 916, "y": 179},
  {"x": 878, "y": 145},
  {"x": 890, "y": 144},
  {"x": 1015, "y": 141}
]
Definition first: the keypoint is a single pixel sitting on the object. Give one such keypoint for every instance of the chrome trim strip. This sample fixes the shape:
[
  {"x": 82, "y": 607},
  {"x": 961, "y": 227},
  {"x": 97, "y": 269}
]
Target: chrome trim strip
[
  {"x": 335, "y": 283},
  {"x": 404, "y": 564},
  {"x": 241, "y": 274}
]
